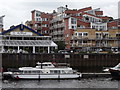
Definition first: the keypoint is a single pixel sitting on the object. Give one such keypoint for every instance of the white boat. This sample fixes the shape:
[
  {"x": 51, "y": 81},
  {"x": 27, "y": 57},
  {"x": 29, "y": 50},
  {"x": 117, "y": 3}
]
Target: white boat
[
  {"x": 46, "y": 70},
  {"x": 115, "y": 72}
]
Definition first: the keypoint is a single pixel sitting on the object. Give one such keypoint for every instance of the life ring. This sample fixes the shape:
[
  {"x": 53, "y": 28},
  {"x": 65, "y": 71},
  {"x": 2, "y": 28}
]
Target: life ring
[{"x": 17, "y": 77}]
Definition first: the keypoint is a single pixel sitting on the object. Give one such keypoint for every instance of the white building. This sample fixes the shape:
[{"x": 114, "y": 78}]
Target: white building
[{"x": 22, "y": 39}]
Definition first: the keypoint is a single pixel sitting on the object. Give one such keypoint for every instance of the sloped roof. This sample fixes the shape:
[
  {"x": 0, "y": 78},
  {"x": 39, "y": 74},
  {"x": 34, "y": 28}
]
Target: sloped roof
[{"x": 21, "y": 26}]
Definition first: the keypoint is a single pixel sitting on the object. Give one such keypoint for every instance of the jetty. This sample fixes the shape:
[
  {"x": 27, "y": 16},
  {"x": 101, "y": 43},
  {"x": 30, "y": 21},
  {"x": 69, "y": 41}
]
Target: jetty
[{"x": 95, "y": 75}]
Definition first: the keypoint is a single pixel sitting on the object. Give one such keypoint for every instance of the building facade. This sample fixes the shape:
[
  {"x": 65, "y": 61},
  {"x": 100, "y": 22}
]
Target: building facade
[
  {"x": 40, "y": 22},
  {"x": 22, "y": 39},
  {"x": 65, "y": 22},
  {"x": 93, "y": 40}
]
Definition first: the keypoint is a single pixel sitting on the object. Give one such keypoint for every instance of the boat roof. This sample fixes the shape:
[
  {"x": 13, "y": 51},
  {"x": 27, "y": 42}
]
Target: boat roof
[
  {"x": 44, "y": 63},
  {"x": 34, "y": 69}
]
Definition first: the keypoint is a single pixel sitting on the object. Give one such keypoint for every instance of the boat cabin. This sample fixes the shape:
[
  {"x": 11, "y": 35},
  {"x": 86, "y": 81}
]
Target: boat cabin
[{"x": 45, "y": 65}]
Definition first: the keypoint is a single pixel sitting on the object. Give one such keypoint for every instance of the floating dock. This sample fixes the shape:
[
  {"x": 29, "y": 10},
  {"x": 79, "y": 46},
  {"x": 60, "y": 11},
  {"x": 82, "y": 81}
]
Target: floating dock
[{"x": 95, "y": 75}]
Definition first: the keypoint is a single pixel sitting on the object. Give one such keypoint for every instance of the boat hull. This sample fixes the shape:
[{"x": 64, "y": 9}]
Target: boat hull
[
  {"x": 115, "y": 73},
  {"x": 46, "y": 76}
]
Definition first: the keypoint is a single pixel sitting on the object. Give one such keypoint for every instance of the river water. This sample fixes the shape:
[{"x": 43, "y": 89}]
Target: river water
[{"x": 83, "y": 83}]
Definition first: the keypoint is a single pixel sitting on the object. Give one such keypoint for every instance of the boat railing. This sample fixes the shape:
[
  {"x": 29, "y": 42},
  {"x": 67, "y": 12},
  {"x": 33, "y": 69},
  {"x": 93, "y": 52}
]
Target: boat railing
[{"x": 63, "y": 65}]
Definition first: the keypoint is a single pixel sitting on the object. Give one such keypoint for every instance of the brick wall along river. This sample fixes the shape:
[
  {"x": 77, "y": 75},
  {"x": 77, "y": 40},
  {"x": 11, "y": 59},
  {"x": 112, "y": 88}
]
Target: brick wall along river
[{"x": 80, "y": 62}]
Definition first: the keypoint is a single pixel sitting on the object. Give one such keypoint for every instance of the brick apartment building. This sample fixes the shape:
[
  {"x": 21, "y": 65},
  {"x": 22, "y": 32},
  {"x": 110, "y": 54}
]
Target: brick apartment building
[
  {"x": 86, "y": 24},
  {"x": 1, "y": 23},
  {"x": 40, "y": 22}
]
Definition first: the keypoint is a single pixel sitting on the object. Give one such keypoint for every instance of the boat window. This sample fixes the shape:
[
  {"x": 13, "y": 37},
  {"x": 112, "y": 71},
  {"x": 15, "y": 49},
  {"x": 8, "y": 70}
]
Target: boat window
[
  {"x": 24, "y": 72},
  {"x": 118, "y": 67},
  {"x": 51, "y": 71},
  {"x": 63, "y": 71},
  {"x": 55, "y": 71},
  {"x": 36, "y": 72},
  {"x": 46, "y": 65},
  {"x": 49, "y": 64},
  {"x": 70, "y": 71},
  {"x": 27, "y": 71},
  {"x": 21, "y": 72}
]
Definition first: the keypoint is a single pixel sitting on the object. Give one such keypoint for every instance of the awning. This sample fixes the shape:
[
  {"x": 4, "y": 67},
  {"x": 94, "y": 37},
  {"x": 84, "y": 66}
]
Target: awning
[{"x": 41, "y": 43}]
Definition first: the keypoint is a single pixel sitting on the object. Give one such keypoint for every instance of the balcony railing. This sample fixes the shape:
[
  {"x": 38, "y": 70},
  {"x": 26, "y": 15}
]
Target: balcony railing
[
  {"x": 56, "y": 19},
  {"x": 95, "y": 38},
  {"x": 94, "y": 45}
]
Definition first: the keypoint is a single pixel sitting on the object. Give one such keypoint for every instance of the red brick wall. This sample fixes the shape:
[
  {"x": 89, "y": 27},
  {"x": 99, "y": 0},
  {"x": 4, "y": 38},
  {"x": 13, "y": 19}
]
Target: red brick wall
[
  {"x": 86, "y": 24},
  {"x": 99, "y": 12},
  {"x": 67, "y": 31},
  {"x": 33, "y": 19},
  {"x": 113, "y": 23}
]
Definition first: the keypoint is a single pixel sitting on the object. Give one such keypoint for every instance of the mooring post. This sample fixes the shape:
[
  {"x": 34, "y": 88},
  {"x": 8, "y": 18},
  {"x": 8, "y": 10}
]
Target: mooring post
[
  {"x": 118, "y": 84},
  {"x": 58, "y": 77},
  {"x": 39, "y": 77},
  {"x": 80, "y": 75}
]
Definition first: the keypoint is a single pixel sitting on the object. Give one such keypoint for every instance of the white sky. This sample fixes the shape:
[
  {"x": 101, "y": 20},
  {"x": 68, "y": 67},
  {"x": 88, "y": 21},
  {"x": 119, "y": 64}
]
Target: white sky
[{"x": 18, "y": 11}]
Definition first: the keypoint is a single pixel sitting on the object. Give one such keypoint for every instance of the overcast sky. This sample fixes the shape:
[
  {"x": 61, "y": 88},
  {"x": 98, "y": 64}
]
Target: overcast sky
[{"x": 19, "y": 11}]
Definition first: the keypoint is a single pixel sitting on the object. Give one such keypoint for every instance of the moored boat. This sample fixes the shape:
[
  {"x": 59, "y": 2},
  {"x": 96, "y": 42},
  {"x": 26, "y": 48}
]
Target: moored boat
[
  {"x": 46, "y": 70},
  {"x": 115, "y": 72}
]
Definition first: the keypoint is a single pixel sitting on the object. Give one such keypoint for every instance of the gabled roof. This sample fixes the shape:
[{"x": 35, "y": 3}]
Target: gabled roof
[{"x": 21, "y": 26}]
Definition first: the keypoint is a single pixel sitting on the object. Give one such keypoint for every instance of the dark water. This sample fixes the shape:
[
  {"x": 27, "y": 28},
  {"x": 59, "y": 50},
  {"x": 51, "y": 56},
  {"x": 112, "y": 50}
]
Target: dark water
[{"x": 83, "y": 83}]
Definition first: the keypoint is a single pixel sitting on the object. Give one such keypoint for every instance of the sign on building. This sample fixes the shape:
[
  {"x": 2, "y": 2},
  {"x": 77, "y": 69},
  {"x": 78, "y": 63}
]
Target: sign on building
[{"x": 21, "y": 33}]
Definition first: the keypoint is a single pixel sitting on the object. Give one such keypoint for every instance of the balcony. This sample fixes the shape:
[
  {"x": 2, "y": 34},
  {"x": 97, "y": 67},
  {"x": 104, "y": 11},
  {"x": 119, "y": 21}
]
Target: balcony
[
  {"x": 82, "y": 44},
  {"x": 51, "y": 27},
  {"x": 56, "y": 19},
  {"x": 107, "y": 38},
  {"x": 82, "y": 37},
  {"x": 61, "y": 25},
  {"x": 60, "y": 32},
  {"x": 94, "y": 38},
  {"x": 38, "y": 22},
  {"x": 58, "y": 39}
]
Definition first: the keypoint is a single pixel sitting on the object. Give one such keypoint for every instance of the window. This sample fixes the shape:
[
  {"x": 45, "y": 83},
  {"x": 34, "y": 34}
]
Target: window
[
  {"x": 37, "y": 14},
  {"x": 85, "y": 34},
  {"x": 75, "y": 34},
  {"x": 87, "y": 18},
  {"x": 72, "y": 27},
  {"x": 80, "y": 42},
  {"x": 73, "y": 21},
  {"x": 93, "y": 27},
  {"x": 80, "y": 34},
  {"x": 67, "y": 35},
  {"x": 118, "y": 35},
  {"x": 84, "y": 41}
]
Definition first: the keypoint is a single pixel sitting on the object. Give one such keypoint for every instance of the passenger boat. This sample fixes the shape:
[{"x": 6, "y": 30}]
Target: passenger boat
[
  {"x": 115, "y": 72},
  {"x": 46, "y": 70}
]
